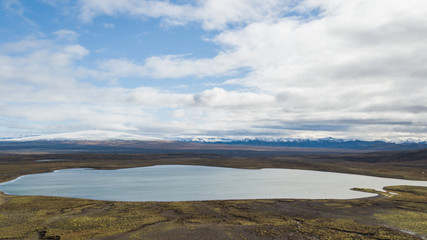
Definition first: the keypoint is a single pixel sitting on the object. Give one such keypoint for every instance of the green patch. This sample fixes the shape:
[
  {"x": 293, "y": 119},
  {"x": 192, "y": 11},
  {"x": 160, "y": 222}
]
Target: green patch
[{"x": 405, "y": 220}]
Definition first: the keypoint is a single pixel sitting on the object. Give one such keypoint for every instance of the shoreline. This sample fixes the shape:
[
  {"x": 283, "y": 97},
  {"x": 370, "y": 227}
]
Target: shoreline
[
  {"x": 71, "y": 218},
  {"x": 373, "y": 191},
  {"x": 256, "y": 219}
]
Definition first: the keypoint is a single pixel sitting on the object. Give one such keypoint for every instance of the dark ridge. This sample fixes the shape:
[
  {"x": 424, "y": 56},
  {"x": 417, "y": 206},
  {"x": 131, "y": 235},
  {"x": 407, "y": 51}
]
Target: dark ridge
[{"x": 330, "y": 143}]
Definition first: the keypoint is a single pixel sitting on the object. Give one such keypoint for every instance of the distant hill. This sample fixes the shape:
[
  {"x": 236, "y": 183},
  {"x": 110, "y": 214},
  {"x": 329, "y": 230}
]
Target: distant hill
[
  {"x": 95, "y": 140},
  {"x": 317, "y": 143},
  {"x": 91, "y": 135}
]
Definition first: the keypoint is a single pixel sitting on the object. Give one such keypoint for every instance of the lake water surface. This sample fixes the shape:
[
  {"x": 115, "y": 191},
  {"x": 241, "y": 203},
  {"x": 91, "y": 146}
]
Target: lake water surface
[{"x": 188, "y": 183}]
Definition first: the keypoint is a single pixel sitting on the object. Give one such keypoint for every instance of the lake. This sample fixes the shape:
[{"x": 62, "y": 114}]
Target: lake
[{"x": 190, "y": 183}]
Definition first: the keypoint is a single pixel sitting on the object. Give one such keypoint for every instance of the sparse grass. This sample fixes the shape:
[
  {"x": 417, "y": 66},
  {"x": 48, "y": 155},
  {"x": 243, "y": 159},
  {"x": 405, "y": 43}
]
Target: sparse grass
[
  {"x": 273, "y": 219},
  {"x": 411, "y": 211},
  {"x": 405, "y": 190},
  {"x": 12, "y": 166},
  {"x": 72, "y": 218},
  {"x": 407, "y": 220},
  {"x": 28, "y": 217}
]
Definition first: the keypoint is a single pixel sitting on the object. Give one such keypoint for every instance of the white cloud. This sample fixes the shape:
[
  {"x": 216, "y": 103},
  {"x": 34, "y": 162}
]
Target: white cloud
[
  {"x": 170, "y": 66},
  {"x": 93, "y": 8},
  {"x": 355, "y": 56},
  {"x": 213, "y": 14},
  {"x": 68, "y": 35},
  {"x": 146, "y": 96},
  {"x": 17, "y": 8},
  {"x": 44, "y": 88},
  {"x": 218, "y": 14},
  {"x": 222, "y": 99},
  {"x": 351, "y": 68},
  {"x": 14, "y": 6},
  {"x": 177, "y": 67},
  {"x": 109, "y": 25},
  {"x": 27, "y": 44}
]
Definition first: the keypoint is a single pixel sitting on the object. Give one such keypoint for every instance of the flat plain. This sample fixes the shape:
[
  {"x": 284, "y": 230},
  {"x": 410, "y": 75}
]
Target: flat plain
[{"x": 388, "y": 216}]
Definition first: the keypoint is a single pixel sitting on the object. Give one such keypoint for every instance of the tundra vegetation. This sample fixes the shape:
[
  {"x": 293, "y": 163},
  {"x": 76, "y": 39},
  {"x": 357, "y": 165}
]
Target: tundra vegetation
[{"x": 398, "y": 213}]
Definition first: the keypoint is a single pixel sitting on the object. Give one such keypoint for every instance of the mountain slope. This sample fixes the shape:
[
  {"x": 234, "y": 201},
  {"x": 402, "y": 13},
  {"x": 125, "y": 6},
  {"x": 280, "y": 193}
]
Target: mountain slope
[
  {"x": 377, "y": 145},
  {"x": 92, "y": 135},
  {"x": 116, "y": 137}
]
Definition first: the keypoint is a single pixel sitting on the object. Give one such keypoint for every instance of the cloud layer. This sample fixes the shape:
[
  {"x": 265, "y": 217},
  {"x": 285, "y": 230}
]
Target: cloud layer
[
  {"x": 212, "y": 14},
  {"x": 349, "y": 69}
]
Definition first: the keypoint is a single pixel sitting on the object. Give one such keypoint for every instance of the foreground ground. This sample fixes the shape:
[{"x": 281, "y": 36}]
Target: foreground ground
[
  {"x": 401, "y": 216},
  {"x": 65, "y": 218}
]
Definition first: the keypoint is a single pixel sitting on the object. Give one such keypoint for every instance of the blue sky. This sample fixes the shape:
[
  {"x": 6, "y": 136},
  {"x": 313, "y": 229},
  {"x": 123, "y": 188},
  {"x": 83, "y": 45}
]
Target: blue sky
[{"x": 241, "y": 68}]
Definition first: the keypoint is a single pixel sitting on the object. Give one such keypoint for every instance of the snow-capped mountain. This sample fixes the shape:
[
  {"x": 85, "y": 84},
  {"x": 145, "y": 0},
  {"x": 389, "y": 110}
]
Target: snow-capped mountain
[
  {"x": 91, "y": 135},
  {"x": 213, "y": 139},
  {"x": 312, "y": 143},
  {"x": 98, "y": 135}
]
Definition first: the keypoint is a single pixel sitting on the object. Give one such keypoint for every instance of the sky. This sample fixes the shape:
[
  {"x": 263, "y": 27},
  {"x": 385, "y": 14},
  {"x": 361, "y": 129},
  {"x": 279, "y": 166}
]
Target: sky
[{"x": 351, "y": 69}]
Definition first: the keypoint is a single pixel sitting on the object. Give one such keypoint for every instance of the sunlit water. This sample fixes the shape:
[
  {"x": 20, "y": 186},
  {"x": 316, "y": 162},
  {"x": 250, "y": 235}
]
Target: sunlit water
[{"x": 187, "y": 183}]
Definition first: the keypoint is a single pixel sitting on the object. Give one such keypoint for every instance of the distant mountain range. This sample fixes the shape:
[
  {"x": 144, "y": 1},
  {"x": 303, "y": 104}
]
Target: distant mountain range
[
  {"x": 91, "y": 135},
  {"x": 318, "y": 143},
  {"x": 330, "y": 143}
]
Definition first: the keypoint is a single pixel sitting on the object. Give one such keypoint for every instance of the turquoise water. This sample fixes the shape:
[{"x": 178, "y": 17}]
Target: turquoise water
[{"x": 188, "y": 183}]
